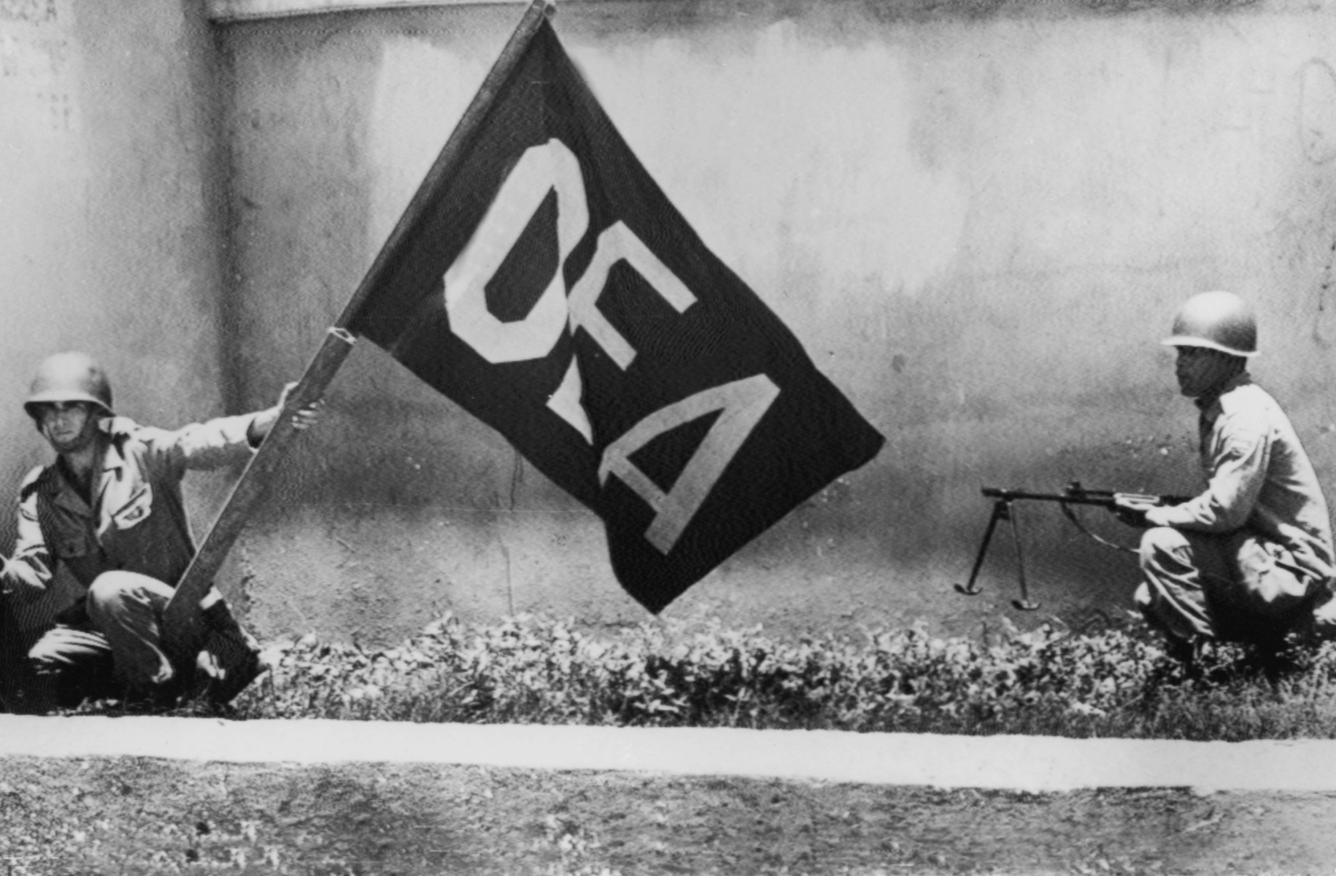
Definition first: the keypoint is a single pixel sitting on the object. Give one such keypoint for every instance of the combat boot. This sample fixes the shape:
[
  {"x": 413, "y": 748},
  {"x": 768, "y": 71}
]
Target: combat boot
[{"x": 230, "y": 659}]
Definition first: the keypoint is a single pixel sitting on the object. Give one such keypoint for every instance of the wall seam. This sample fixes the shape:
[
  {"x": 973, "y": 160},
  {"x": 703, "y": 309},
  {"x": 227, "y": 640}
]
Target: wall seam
[{"x": 249, "y": 10}]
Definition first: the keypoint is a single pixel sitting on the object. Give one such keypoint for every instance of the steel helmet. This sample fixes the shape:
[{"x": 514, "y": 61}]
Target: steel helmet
[
  {"x": 1217, "y": 320},
  {"x": 69, "y": 377}
]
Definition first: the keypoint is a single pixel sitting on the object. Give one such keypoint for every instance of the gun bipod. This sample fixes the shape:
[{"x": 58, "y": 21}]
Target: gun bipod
[{"x": 1003, "y": 509}]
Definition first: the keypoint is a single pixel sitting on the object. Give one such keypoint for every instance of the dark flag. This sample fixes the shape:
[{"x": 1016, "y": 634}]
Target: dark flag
[{"x": 543, "y": 281}]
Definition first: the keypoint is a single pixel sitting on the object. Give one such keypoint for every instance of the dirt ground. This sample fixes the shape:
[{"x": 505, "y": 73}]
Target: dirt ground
[{"x": 136, "y": 815}]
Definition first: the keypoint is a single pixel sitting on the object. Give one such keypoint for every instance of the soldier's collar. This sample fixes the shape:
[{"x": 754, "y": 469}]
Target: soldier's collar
[
  {"x": 1206, "y": 402},
  {"x": 113, "y": 460}
]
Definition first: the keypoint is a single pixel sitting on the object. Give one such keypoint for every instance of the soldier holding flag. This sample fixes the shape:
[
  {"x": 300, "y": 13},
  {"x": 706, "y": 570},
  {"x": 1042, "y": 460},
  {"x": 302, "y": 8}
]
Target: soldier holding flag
[{"x": 109, "y": 509}]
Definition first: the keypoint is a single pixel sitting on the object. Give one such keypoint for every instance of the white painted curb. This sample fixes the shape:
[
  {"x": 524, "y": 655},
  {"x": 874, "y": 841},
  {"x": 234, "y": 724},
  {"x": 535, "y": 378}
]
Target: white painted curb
[{"x": 1024, "y": 763}]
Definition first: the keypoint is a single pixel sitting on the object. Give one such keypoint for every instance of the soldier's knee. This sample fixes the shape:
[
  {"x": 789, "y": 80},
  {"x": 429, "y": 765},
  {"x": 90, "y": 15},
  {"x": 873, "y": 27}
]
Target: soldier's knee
[
  {"x": 44, "y": 656},
  {"x": 112, "y": 590},
  {"x": 1159, "y": 541},
  {"x": 109, "y": 589},
  {"x": 52, "y": 654}
]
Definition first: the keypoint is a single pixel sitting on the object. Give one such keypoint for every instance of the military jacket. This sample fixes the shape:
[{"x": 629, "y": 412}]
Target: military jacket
[
  {"x": 136, "y": 521},
  {"x": 1258, "y": 477}
]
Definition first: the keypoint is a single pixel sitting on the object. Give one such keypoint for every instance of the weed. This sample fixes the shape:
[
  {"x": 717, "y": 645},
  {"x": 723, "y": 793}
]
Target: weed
[{"x": 1116, "y": 682}]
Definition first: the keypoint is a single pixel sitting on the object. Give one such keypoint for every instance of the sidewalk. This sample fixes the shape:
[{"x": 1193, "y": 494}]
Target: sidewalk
[{"x": 1021, "y": 763}]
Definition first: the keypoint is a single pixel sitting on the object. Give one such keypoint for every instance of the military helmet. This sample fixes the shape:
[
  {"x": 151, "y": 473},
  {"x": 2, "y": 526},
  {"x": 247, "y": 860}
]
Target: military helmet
[
  {"x": 1218, "y": 321},
  {"x": 69, "y": 377}
]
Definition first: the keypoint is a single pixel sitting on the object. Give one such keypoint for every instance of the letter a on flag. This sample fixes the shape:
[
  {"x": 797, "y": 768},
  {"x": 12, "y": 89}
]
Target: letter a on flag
[{"x": 542, "y": 281}]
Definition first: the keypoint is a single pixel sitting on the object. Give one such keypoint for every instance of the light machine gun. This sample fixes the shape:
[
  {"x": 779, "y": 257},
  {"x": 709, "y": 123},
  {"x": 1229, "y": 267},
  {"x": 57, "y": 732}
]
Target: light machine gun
[{"x": 1004, "y": 508}]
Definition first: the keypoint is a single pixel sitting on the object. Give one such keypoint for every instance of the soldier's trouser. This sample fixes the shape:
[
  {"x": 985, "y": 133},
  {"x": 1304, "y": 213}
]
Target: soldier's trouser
[
  {"x": 118, "y": 647},
  {"x": 1220, "y": 586}
]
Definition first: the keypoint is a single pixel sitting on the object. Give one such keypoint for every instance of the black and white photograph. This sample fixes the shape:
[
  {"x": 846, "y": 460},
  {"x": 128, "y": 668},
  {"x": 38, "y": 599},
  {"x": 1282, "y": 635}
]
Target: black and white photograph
[{"x": 638, "y": 437}]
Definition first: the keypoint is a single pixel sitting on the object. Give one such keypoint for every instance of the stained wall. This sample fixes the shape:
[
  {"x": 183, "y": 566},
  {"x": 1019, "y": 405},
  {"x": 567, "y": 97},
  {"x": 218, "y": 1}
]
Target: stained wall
[
  {"x": 978, "y": 218},
  {"x": 112, "y": 231},
  {"x": 979, "y": 225}
]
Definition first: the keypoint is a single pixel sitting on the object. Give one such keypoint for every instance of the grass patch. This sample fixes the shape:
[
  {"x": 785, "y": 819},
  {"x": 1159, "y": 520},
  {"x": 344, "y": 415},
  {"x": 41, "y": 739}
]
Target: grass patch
[{"x": 1116, "y": 682}]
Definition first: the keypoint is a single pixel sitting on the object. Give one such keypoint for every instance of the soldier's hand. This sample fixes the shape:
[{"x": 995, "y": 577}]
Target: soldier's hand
[
  {"x": 1132, "y": 510},
  {"x": 305, "y": 417}
]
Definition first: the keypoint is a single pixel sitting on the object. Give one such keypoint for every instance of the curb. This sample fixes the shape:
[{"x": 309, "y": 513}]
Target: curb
[{"x": 1018, "y": 763}]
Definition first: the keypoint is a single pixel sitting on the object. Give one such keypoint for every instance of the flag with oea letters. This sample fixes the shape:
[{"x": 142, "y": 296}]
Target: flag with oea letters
[{"x": 549, "y": 288}]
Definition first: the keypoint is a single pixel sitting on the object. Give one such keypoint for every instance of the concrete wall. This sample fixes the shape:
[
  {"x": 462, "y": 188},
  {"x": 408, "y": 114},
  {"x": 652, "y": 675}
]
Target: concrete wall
[
  {"x": 111, "y": 213},
  {"x": 979, "y": 223}
]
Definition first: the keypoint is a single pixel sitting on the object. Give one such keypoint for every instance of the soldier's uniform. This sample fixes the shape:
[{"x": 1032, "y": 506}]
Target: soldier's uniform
[
  {"x": 1223, "y": 565},
  {"x": 127, "y": 541},
  {"x": 1251, "y": 556}
]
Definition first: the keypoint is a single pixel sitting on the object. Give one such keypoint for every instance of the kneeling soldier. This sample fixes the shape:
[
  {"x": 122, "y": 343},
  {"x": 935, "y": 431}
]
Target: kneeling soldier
[
  {"x": 109, "y": 509},
  {"x": 1248, "y": 558}
]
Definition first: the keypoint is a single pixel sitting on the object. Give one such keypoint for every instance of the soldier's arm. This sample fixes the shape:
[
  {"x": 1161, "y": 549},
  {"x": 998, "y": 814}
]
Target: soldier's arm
[
  {"x": 263, "y": 421},
  {"x": 27, "y": 574},
  {"x": 1237, "y": 475},
  {"x": 221, "y": 441}
]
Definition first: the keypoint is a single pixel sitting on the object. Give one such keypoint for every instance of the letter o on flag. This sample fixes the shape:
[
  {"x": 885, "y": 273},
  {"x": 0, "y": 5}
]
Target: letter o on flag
[{"x": 541, "y": 169}]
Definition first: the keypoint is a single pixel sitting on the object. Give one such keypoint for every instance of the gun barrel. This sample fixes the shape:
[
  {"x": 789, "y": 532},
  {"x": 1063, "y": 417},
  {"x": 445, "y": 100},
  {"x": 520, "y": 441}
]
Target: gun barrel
[{"x": 1073, "y": 497}]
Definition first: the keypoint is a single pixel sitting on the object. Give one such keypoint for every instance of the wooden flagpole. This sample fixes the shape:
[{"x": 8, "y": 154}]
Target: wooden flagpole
[{"x": 182, "y": 624}]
